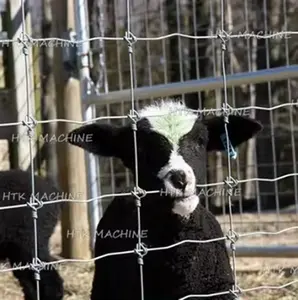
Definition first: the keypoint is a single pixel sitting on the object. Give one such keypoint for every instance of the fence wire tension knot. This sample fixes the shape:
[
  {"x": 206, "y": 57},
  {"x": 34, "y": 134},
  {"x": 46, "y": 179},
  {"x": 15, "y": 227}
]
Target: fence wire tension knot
[
  {"x": 226, "y": 109},
  {"x": 138, "y": 193},
  {"x": 130, "y": 38},
  {"x": 35, "y": 204},
  {"x": 37, "y": 265},
  {"x": 133, "y": 116},
  {"x": 224, "y": 37},
  {"x": 30, "y": 123},
  {"x": 24, "y": 39},
  {"x": 233, "y": 237},
  {"x": 140, "y": 249},
  {"x": 230, "y": 184},
  {"x": 236, "y": 292}
]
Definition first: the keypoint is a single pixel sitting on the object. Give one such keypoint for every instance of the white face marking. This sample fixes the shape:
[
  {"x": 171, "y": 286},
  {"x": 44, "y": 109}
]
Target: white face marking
[
  {"x": 177, "y": 162},
  {"x": 188, "y": 200},
  {"x": 173, "y": 121},
  {"x": 186, "y": 206}
]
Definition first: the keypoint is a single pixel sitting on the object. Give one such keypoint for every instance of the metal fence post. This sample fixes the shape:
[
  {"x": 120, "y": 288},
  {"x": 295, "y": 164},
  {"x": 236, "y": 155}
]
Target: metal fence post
[{"x": 92, "y": 167}]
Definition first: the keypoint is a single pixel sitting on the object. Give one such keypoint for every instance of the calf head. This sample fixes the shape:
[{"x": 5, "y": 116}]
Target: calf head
[{"x": 172, "y": 145}]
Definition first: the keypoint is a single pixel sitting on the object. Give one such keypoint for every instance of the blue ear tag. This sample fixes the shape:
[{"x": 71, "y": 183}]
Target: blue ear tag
[{"x": 232, "y": 153}]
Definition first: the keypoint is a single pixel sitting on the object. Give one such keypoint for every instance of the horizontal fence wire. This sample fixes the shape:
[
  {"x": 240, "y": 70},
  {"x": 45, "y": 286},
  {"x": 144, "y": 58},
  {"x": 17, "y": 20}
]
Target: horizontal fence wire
[
  {"x": 151, "y": 249},
  {"x": 220, "y": 34},
  {"x": 197, "y": 111},
  {"x": 27, "y": 41},
  {"x": 161, "y": 192}
]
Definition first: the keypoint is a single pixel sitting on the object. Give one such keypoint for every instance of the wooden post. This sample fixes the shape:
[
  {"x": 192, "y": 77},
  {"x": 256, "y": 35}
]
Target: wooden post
[
  {"x": 17, "y": 79},
  {"x": 71, "y": 160},
  {"x": 4, "y": 155},
  {"x": 37, "y": 92}
]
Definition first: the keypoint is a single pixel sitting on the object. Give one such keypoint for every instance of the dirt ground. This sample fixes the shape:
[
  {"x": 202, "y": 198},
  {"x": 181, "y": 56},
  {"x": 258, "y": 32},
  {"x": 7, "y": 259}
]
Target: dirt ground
[{"x": 252, "y": 272}]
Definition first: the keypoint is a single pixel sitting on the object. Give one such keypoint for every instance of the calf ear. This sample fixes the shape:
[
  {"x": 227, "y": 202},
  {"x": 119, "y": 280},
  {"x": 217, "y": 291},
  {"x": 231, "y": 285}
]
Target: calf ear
[
  {"x": 101, "y": 139},
  {"x": 240, "y": 129}
]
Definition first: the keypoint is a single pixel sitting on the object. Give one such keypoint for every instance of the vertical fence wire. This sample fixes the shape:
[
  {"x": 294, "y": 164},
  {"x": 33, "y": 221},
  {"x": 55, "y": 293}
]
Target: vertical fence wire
[
  {"x": 120, "y": 78},
  {"x": 181, "y": 65},
  {"x": 291, "y": 111},
  {"x": 164, "y": 52},
  {"x": 195, "y": 32},
  {"x": 197, "y": 61},
  {"x": 130, "y": 42},
  {"x": 251, "y": 57},
  {"x": 231, "y": 57},
  {"x": 229, "y": 181},
  {"x": 214, "y": 65},
  {"x": 30, "y": 123},
  {"x": 272, "y": 131},
  {"x": 148, "y": 48}
]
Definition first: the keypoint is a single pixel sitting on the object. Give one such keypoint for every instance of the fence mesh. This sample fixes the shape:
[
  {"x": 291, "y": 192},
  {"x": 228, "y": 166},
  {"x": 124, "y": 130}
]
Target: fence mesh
[
  {"x": 131, "y": 40},
  {"x": 180, "y": 56}
]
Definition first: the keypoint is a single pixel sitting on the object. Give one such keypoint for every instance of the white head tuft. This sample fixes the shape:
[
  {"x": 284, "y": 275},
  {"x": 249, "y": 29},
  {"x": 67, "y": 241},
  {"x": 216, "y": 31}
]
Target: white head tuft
[{"x": 169, "y": 118}]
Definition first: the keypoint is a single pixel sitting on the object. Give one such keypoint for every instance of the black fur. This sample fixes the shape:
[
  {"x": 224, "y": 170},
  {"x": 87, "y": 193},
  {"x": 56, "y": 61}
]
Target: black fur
[
  {"x": 201, "y": 268},
  {"x": 17, "y": 231},
  {"x": 168, "y": 274},
  {"x": 154, "y": 149}
]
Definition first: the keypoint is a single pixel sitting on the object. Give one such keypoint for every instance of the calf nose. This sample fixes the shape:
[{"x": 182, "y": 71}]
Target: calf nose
[{"x": 178, "y": 179}]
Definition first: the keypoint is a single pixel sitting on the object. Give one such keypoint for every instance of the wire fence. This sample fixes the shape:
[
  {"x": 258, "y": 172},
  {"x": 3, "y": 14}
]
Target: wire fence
[
  {"x": 130, "y": 39},
  {"x": 154, "y": 70}
]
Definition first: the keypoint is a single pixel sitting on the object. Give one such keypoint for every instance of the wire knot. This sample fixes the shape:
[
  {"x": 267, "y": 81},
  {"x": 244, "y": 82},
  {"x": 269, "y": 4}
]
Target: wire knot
[
  {"x": 224, "y": 37},
  {"x": 236, "y": 292},
  {"x": 133, "y": 116},
  {"x": 141, "y": 250},
  {"x": 231, "y": 182},
  {"x": 25, "y": 39},
  {"x": 30, "y": 123},
  {"x": 226, "y": 110},
  {"x": 35, "y": 204},
  {"x": 139, "y": 193},
  {"x": 232, "y": 236},
  {"x": 37, "y": 265},
  {"x": 130, "y": 38},
  {"x": 239, "y": 290}
]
